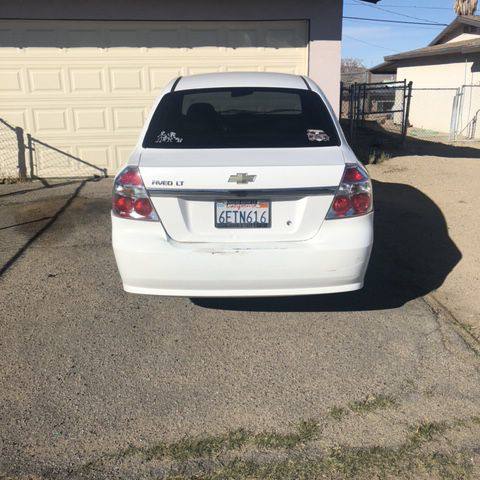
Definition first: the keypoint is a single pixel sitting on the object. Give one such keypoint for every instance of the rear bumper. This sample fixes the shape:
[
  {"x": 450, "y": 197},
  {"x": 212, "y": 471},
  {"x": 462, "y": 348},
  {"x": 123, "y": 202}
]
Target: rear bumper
[{"x": 335, "y": 260}]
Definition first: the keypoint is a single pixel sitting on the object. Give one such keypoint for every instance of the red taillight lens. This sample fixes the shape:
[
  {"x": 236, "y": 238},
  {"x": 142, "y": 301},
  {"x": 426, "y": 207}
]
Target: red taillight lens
[
  {"x": 143, "y": 207},
  {"x": 130, "y": 198},
  {"x": 353, "y": 174},
  {"x": 341, "y": 205},
  {"x": 122, "y": 205},
  {"x": 130, "y": 176},
  {"x": 361, "y": 202},
  {"x": 354, "y": 194}
]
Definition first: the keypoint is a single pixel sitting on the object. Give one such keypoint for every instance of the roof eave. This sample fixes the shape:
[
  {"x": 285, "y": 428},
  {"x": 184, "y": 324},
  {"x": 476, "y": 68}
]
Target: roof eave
[
  {"x": 451, "y": 49},
  {"x": 465, "y": 20},
  {"x": 384, "y": 67}
]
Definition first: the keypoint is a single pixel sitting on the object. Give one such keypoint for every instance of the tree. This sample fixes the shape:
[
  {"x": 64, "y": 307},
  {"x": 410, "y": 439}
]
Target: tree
[
  {"x": 465, "y": 7},
  {"x": 352, "y": 65}
]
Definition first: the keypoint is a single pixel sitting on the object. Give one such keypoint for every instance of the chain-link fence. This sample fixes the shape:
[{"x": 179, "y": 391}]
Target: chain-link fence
[
  {"x": 445, "y": 115},
  {"x": 431, "y": 113},
  {"x": 400, "y": 110},
  {"x": 376, "y": 106},
  {"x": 12, "y": 152},
  {"x": 465, "y": 114},
  {"x": 23, "y": 156},
  {"x": 49, "y": 161}
]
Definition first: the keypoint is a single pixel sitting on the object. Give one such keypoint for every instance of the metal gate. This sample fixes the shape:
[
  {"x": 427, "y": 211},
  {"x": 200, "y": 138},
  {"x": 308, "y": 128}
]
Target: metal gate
[
  {"x": 25, "y": 157},
  {"x": 383, "y": 107},
  {"x": 465, "y": 114}
]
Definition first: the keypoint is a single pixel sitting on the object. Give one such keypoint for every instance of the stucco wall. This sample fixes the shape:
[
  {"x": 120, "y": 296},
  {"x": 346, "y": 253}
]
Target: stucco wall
[
  {"x": 435, "y": 83},
  {"x": 324, "y": 17}
]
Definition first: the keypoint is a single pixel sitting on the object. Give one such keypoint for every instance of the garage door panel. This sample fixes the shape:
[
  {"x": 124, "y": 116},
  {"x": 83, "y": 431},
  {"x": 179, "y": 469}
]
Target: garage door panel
[
  {"x": 84, "y": 89},
  {"x": 128, "y": 118},
  {"x": 127, "y": 79},
  {"x": 160, "y": 76},
  {"x": 199, "y": 70},
  {"x": 98, "y": 155},
  {"x": 87, "y": 80},
  {"x": 15, "y": 116},
  {"x": 50, "y": 120},
  {"x": 45, "y": 80},
  {"x": 90, "y": 119},
  {"x": 11, "y": 80}
]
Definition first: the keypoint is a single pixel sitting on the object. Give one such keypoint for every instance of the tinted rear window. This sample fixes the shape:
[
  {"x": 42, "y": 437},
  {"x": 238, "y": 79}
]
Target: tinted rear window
[{"x": 241, "y": 118}]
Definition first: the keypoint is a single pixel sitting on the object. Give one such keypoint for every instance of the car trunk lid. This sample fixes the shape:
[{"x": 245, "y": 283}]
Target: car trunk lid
[{"x": 297, "y": 183}]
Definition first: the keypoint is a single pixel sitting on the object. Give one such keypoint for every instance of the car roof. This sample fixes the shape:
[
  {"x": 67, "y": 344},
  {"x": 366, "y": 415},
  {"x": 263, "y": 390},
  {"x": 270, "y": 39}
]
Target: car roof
[{"x": 241, "y": 79}]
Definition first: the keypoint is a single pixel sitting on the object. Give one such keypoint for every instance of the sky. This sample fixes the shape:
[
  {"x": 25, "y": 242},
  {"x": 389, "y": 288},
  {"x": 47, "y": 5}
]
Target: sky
[{"x": 371, "y": 41}]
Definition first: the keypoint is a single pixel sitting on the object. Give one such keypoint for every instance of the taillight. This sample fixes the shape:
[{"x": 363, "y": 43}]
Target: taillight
[
  {"x": 130, "y": 198},
  {"x": 354, "y": 195}
]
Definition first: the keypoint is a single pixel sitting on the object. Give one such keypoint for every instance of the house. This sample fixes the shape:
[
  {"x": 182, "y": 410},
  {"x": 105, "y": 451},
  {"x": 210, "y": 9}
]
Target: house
[
  {"x": 446, "y": 79},
  {"x": 80, "y": 76}
]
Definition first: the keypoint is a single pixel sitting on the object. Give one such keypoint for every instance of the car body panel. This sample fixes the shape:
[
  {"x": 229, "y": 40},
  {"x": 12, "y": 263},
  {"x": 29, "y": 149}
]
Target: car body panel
[
  {"x": 335, "y": 260},
  {"x": 295, "y": 215},
  {"x": 186, "y": 254}
]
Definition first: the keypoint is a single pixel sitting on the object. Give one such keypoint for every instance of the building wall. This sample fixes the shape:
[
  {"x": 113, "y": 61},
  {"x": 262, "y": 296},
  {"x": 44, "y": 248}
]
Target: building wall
[
  {"x": 324, "y": 18},
  {"x": 435, "y": 83}
]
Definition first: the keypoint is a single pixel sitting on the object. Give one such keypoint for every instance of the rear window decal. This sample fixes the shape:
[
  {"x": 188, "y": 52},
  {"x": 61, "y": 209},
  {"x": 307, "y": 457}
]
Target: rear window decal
[
  {"x": 317, "y": 136},
  {"x": 169, "y": 137}
]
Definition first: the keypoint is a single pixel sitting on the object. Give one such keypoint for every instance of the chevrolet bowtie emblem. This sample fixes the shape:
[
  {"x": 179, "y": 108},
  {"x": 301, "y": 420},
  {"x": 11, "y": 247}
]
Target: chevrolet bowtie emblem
[{"x": 242, "y": 178}]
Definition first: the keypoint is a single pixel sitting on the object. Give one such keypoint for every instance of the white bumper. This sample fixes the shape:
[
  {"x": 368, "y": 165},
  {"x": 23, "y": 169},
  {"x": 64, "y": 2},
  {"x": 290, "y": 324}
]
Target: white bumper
[{"x": 335, "y": 260}]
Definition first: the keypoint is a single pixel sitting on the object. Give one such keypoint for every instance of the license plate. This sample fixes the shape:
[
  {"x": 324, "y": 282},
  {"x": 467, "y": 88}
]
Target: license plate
[{"x": 242, "y": 214}]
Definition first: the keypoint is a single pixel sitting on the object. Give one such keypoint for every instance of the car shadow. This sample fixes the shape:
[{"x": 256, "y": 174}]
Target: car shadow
[{"x": 412, "y": 256}]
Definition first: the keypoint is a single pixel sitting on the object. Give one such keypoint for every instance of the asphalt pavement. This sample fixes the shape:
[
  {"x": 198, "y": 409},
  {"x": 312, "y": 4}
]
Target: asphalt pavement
[{"x": 88, "y": 371}]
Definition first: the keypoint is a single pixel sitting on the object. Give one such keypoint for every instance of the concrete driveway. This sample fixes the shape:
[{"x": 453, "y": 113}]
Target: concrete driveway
[{"x": 97, "y": 383}]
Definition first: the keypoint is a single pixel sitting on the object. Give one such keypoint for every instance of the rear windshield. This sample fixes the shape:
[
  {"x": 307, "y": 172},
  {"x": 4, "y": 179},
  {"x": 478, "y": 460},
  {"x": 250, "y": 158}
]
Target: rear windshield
[{"x": 241, "y": 118}]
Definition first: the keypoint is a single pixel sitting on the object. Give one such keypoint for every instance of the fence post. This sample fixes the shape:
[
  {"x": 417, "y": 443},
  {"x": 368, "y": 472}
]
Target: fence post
[
  {"x": 341, "y": 101},
  {"x": 406, "y": 110},
  {"x": 364, "y": 99},
  {"x": 352, "y": 110},
  {"x": 404, "y": 102},
  {"x": 22, "y": 166},
  {"x": 453, "y": 117},
  {"x": 30, "y": 154}
]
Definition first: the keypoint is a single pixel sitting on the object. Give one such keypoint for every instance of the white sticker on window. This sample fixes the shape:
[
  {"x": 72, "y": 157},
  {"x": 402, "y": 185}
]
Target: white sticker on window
[
  {"x": 170, "y": 137},
  {"x": 317, "y": 136}
]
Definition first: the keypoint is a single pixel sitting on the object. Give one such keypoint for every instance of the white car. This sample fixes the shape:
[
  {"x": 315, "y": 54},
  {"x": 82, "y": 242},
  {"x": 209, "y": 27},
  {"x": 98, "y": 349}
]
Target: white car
[{"x": 242, "y": 184}]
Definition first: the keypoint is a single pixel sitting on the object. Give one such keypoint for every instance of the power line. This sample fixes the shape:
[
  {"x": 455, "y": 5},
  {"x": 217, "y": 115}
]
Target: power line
[
  {"x": 396, "y": 21},
  {"x": 370, "y": 44},
  {"x": 410, "y": 6},
  {"x": 394, "y": 13}
]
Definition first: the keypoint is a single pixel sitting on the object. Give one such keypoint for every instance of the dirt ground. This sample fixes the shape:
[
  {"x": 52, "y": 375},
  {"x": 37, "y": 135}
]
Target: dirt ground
[{"x": 453, "y": 184}]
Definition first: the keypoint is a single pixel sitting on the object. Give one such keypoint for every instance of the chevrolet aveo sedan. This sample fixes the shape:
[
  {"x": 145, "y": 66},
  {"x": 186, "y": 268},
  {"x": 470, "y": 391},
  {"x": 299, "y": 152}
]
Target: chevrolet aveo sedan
[{"x": 242, "y": 184}]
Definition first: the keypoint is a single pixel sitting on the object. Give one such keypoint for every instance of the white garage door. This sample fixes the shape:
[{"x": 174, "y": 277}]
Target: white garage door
[{"x": 83, "y": 89}]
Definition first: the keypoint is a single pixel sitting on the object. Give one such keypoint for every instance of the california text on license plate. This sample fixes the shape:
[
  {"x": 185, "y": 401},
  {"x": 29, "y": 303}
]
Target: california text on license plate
[{"x": 242, "y": 214}]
